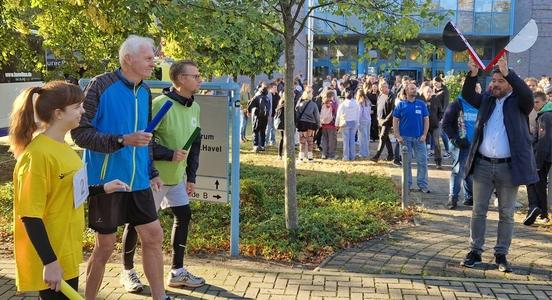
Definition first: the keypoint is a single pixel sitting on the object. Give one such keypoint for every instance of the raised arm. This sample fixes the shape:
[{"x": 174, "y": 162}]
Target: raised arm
[{"x": 468, "y": 89}]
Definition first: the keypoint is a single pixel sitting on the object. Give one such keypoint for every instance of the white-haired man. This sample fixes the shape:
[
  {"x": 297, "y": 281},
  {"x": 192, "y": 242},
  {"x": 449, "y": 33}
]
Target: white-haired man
[{"x": 117, "y": 110}]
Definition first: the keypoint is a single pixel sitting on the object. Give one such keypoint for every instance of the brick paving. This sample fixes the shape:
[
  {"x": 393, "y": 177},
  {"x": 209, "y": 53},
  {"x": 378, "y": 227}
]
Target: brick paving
[
  {"x": 439, "y": 242},
  {"x": 418, "y": 262},
  {"x": 235, "y": 279}
]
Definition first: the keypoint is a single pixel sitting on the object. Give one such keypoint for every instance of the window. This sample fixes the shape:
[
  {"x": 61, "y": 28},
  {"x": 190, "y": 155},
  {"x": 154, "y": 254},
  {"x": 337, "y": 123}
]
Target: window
[
  {"x": 461, "y": 56},
  {"x": 501, "y": 22},
  {"x": 483, "y": 5},
  {"x": 466, "y": 5},
  {"x": 348, "y": 50},
  {"x": 440, "y": 53},
  {"x": 482, "y": 22},
  {"x": 485, "y": 53},
  {"x": 321, "y": 51},
  {"x": 465, "y": 21},
  {"x": 448, "y": 4},
  {"x": 501, "y": 5},
  {"x": 413, "y": 54}
]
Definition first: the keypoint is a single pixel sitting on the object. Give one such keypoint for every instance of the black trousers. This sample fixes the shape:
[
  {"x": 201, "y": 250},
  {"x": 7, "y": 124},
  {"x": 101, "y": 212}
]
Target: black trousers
[
  {"x": 385, "y": 141},
  {"x": 374, "y": 126},
  {"x": 259, "y": 131},
  {"x": 536, "y": 192}
]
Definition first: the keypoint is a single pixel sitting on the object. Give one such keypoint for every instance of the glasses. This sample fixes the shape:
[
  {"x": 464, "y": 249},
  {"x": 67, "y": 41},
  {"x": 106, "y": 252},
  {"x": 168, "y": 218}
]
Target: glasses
[{"x": 195, "y": 76}]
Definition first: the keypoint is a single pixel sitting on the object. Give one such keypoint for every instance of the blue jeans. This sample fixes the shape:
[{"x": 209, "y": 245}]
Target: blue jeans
[
  {"x": 364, "y": 138},
  {"x": 459, "y": 157},
  {"x": 244, "y": 121},
  {"x": 445, "y": 139},
  {"x": 349, "y": 145},
  {"x": 270, "y": 132},
  {"x": 397, "y": 152},
  {"x": 486, "y": 178},
  {"x": 419, "y": 149}
]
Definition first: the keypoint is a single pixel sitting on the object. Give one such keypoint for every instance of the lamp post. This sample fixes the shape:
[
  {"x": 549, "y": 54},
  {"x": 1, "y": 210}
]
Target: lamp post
[{"x": 310, "y": 45}]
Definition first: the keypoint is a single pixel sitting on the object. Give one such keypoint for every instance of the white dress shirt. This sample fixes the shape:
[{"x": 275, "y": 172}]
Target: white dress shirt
[{"x": 495, "y": 142}]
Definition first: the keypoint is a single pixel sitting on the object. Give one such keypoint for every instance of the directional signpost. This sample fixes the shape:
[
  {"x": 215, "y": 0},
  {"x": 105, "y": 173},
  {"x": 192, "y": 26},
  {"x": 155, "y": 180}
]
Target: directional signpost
[{"x": 212, "y": 175}]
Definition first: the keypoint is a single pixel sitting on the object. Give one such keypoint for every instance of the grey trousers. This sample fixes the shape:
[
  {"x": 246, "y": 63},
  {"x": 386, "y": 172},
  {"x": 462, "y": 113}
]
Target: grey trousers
[
  {"x": 329, "y": 142},
  {"x": 486, "y": 178}
]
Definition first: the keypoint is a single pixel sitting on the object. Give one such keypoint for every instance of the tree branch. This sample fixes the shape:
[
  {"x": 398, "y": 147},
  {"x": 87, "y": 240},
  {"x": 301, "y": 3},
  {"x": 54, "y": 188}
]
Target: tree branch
[
  {"x": 309, "y": 12},
  {"x": 298, "y": 10},
  {"x": 339, "y": 24}
]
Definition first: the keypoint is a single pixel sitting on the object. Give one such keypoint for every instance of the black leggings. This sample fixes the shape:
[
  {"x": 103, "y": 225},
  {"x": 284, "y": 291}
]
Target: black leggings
[
  {"x": 49, "y": 294},
  {"x": 281, "y": 144},
  {"x": 179, "y": 237}
]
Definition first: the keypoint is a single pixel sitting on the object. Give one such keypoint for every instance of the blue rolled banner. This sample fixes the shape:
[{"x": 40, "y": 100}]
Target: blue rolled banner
[{"x": 160, "y": 114}]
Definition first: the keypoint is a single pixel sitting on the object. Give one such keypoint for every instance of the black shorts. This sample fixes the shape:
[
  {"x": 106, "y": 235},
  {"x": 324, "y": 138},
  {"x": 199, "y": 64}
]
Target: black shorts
[{"x": 108, "y": 211}]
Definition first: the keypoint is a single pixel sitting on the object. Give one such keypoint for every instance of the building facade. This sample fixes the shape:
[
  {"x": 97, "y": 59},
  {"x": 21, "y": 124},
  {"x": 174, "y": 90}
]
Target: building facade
[{"x": 487, "y": 24}]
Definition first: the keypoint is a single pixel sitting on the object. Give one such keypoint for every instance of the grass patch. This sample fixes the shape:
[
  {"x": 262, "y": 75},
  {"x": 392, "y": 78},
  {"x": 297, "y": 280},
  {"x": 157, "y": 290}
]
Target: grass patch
[{"x": 337, "y": 209}]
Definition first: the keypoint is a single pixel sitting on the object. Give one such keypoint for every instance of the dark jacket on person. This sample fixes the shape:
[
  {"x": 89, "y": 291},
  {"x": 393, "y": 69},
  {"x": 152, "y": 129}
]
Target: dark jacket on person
[
  {"x": 543, "y": 136},
  {"x": 443, "y": 95},
  {"x": 259, "y": 109},
  {"x": 435, "y": 108},
  {"x": 516, "y": 110},
  {"x": 385, "y": 106},
  {"x": 450, "y": 120},
  {"x": 275, "y": 100}
]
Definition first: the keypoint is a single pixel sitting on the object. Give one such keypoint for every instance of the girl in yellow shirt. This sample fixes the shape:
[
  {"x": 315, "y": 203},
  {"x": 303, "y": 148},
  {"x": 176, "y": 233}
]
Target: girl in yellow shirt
[{"x": 49, "y": 188}]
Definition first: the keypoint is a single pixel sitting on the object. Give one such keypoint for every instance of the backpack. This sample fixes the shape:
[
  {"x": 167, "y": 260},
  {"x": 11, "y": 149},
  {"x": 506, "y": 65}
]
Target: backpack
[
  {"x": 263, "y": 107},
  {"x": 279, "y": 118}
]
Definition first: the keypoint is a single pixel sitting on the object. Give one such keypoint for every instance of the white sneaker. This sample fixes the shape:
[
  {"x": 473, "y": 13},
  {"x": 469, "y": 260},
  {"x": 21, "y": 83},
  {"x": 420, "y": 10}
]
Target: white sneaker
[
  {"x": 309, "y": 156},
  {"x": 130, "y": 281},
  {"x": 301, "y": 156},
  {"x": 184, "y": 279}
]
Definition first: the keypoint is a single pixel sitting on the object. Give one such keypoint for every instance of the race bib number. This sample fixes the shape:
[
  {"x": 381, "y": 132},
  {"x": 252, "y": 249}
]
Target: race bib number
[{"x": 80, "y": 187}]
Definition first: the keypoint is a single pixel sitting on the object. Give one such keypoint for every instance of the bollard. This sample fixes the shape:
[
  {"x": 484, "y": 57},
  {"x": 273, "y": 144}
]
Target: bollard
[{"x": 405, "y": 163}]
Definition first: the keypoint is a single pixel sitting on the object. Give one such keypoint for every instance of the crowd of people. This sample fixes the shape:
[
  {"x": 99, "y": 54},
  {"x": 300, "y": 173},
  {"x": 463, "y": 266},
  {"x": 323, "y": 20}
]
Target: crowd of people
[{"x": 499, "y": 138}]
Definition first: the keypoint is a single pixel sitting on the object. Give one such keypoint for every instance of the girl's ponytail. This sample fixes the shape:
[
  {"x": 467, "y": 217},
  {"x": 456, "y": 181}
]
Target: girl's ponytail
[{"x": 22, "y": 121}]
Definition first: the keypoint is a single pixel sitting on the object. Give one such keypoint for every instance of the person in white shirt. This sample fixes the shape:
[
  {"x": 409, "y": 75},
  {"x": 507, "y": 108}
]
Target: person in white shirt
[
  {"x": 347, "y": 120},
  {"x": 500, "y": 157}
]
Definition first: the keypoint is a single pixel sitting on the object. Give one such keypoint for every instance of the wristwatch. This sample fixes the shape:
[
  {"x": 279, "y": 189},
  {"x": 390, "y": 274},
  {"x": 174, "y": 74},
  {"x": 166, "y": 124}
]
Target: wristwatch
[{"x": 120, "y": 140}]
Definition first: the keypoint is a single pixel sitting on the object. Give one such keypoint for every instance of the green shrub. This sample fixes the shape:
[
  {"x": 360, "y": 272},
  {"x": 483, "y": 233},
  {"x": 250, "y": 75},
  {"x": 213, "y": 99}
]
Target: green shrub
[
  {"x": 6, "y": 209},
  {"x": 336, "y": 210}
]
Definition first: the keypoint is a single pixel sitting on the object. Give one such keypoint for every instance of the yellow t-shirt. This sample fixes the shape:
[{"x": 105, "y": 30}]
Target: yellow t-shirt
[{"x": 43, "y": 188}]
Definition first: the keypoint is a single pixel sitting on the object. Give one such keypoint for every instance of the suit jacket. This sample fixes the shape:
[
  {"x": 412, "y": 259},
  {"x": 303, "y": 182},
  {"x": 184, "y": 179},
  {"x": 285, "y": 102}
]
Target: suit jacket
[{"x": 516, "y": 111}]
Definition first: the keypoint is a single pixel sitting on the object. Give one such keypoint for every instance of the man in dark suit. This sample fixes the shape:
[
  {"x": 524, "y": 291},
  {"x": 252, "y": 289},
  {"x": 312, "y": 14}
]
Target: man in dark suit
[{"x": 500, "y": 157}]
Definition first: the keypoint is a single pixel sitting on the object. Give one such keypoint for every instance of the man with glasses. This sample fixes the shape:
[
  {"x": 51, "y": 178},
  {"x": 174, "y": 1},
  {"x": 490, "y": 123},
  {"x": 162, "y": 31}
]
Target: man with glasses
[{"x": 177, "y": 169}]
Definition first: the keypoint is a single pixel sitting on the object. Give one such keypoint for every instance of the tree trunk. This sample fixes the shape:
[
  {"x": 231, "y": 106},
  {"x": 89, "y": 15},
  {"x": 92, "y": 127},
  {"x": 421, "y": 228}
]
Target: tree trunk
[
  {"x": 253, "y": 87},
  {"x": 289, "y": 139}
]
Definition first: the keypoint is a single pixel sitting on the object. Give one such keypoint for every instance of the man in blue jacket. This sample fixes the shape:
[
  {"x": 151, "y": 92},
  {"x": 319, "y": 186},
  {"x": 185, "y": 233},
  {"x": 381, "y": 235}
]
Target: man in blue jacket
[
  {"x": 459, "y": 125},
  {"x": 500, "y": 157},
  {"x": 117, "y": 109}
]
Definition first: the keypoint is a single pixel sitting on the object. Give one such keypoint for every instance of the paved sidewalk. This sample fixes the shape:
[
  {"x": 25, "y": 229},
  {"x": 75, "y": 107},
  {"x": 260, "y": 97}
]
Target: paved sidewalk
[
  {"x": 418, "y": 262},
  {"x": 437, "y": 245},
  {"x": 241, "y": 279}
]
